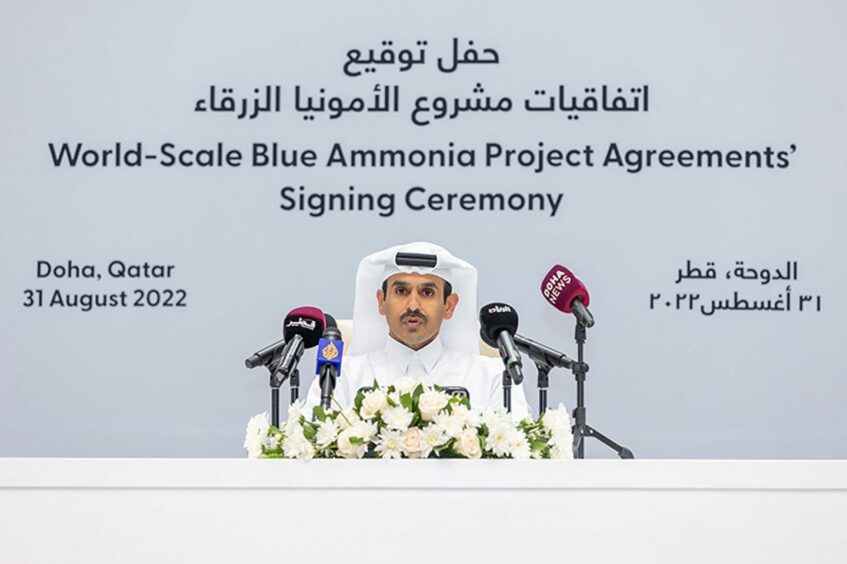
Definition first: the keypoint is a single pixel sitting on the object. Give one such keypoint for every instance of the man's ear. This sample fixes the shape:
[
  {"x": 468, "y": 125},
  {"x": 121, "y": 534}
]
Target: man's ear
[
  {"x": 450, "y": 306},
  {"x": 380, "y": 301}
]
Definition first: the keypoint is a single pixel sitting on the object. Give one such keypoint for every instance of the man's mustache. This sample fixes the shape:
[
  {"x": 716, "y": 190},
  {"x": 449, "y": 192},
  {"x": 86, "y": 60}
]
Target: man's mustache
[{"x": 415, "y": 313}]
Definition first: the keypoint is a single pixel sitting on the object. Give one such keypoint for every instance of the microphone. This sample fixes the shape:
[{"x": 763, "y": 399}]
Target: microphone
[
  {"x": 264, "y": 356},
  {"x": 498, "y": 323},
  {"x": 301, "y": 330},
  {"x": 542, "y": 354},
  {"x": 567, "y": 293},
  {"x": 330, "y": 350}
]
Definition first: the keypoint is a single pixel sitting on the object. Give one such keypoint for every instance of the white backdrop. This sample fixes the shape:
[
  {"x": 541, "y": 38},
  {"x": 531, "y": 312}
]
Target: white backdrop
[{"x": 667, "y": 381}]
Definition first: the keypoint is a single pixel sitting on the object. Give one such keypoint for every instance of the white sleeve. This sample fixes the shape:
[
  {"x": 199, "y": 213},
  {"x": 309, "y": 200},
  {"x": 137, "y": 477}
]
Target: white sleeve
[{"x": 313, "y": 397}]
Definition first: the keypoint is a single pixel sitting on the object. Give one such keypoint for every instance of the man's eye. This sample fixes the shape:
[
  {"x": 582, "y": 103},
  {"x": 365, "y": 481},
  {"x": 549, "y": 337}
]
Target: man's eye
[
  {"x": 400, "y": 291},
  {"x": 428, "y": 293}
]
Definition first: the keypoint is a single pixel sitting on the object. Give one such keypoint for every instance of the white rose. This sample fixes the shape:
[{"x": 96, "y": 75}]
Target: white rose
[
  {"x": 346, "y": 448},
  {"x": 411, "y": 443},
  {"x": 431, "y": 402},
  {"x": 373, "y": 402},
  {"x": 467, "y": 444},
  {"x": 405, "y": 384},
  {"x": 255, "y": 435},
  {"x": 398, "y": 418},
  {"x": 347, "y": 418}
]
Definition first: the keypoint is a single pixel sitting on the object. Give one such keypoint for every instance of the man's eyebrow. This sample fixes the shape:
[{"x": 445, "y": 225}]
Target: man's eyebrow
[{"x": 400, "y": 283}]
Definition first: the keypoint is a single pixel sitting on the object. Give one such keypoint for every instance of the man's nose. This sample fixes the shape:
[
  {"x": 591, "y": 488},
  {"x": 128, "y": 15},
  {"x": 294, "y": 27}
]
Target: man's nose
[{"x": 414, "y": 304}]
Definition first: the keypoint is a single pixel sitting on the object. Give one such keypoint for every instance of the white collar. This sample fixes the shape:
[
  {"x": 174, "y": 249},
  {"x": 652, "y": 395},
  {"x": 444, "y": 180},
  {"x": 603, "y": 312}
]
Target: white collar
[{"x": 403, "y": 355}]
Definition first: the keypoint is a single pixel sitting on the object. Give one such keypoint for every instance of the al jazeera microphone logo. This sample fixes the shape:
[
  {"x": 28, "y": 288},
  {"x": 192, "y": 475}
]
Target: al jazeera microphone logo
[{"x": 330, "y": 352}]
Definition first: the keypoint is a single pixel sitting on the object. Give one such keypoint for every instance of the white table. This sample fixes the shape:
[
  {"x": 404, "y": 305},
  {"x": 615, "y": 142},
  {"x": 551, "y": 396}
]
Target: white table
[{"x": 212, "y": 510}]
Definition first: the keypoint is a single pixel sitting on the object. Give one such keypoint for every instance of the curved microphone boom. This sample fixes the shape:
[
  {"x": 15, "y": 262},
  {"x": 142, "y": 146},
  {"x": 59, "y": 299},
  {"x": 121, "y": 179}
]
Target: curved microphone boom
[
  {"x": 498, "y": 325},
  {"x": 543, "y": 354},
  {"x": 567, "y": 293}
]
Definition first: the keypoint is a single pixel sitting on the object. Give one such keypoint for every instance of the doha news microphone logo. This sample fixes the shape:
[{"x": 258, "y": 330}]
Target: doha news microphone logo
[
  {"x": 556, "y": 285},
  {"x": 303, "y": 322},
  {"x": 500, "y": 309}
]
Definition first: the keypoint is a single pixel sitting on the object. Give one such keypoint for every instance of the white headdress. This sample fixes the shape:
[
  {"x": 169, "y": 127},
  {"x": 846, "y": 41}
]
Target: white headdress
[{"x": 369, "y": 327}]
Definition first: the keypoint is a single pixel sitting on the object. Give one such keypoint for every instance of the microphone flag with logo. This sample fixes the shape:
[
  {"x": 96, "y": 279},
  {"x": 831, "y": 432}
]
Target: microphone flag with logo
[{"x": 330, "y": 347}]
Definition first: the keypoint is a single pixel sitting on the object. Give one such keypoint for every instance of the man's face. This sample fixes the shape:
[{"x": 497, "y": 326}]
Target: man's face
[{"x": 414, "y": 307}]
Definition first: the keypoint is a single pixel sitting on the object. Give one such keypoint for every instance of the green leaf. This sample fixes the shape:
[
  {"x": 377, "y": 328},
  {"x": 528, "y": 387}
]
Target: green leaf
[
  {"x": 319, "y": 413},
  {"x": 416, "y": 395},
  {"x": 406, "y": 401},
  {"x": 446, "y": 446},
  {"x": 357, "y": 441},
  {"x": 309, "y": 431},
  {"x": 537, "y": 445}
]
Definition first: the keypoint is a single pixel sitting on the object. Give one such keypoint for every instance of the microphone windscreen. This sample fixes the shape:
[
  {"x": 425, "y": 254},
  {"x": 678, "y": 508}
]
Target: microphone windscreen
[
  {"x": 330, "y": 321},
  {"x": 561, "y": 287},
  {"x": 493, "y": 319},
  {"x": 332, "y": 331},
  {"x": 308, "y": 322}
]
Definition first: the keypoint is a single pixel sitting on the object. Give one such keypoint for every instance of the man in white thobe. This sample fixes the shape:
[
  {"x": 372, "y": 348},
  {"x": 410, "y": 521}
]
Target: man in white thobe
[{"x": 415, "y": 315}]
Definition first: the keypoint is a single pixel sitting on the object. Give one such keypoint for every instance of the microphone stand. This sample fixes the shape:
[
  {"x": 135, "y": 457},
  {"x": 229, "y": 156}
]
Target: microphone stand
[
  {"x": 275, "y": 383},
  {"x": 294, "y": 383},
  {"x": 581, "y": 429},
  {"x": 507, "y": 390},
  {"x": 543, "y": 383}
]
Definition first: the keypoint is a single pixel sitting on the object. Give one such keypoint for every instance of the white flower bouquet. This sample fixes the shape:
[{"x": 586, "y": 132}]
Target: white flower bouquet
[{"x": 410, "y": 420}]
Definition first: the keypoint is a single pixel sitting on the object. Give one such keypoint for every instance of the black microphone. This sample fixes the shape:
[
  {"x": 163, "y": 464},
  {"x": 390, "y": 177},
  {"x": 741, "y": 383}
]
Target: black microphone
[
  {"x": 498, "y": 323},
  {"x": 264, "y": 356},
  {"x": 542, "y": 354},
  {"x": 301, "y": 330},
  {"x": 330, "y": 350}
]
